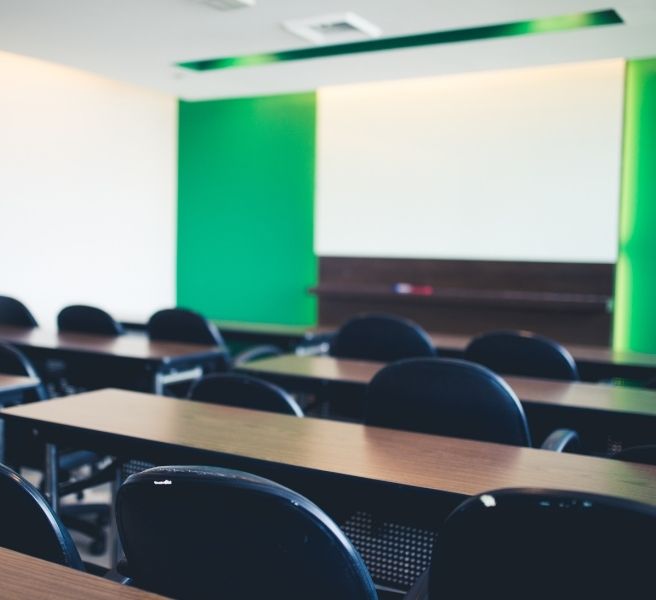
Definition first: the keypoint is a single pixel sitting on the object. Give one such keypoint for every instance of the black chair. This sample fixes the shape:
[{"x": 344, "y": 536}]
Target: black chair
[
  {"x": 14, "y": 362},
  {"x": 383, "y": 338},
  {"x": 15, "y": 313},
  {"x": 529, "y": 543},
  {"x": 203, "y": 532},
  {"x": 453, "y": 398},
  {"x": 522, "y": 353},
  {"x": 188, "y": 326},
  {"x": 28, "y": 524},
  {"x": 182, "y": 325},
  {"x": 639, "y": 454},
  {"x": 88, "y": 319},
  {"x": 245, "y": 392},
  {"x": 84, "y": 372},
  {"x": 22, "y": 448}
]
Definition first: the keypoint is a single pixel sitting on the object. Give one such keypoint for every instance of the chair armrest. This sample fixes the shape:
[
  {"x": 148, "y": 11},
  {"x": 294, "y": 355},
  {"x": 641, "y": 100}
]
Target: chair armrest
[
  {"x": 121, "y": 573},
  {"x": 562, "y": 440},
  {"x": 419, "y": 590},
  {"x": 256, "y": 352}
]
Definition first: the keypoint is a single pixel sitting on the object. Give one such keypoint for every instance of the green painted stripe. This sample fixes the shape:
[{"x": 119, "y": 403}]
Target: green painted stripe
[
  {"x": 634, "y": 325},
  {"x": 486, "y": 32}
]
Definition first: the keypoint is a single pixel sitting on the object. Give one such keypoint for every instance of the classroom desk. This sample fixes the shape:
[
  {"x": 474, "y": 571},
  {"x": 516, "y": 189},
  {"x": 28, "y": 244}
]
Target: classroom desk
[
  {"x": 24, "y": 576},
  {"x": 125, "y": 424},
  {"x": 9, "y": 384},
  {"x": 595, "y": 410},
  {"x": 400, "y": 478},
  {"x": 287, "y": 337},
  {"x": 594, "y": 362},
  {"x": 241, "y": 334},
  {"x": 160, "y": 362},
  {"x": 12, "y": 391}
]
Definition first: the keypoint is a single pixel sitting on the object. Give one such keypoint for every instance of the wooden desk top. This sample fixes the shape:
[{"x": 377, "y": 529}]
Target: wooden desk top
[
  {"x": 264, "y": 328},
  {"x": 581, "y": 353},
  {"x": 23, "y": 576},
  {"x": 602, "y": 355},
  {"x": 12, "y": 383},
  {"x": 463, "y": 467},
  {"x": 136, "y": 346},
  {"x": 591, "y": 396},
  {"x": 319, "y": 366}
]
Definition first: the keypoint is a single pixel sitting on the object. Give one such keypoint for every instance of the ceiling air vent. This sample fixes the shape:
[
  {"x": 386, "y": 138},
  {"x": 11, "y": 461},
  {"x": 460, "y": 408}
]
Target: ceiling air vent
[
  {"x": 333, "y": 29},
  {"x": 228, "y": 4}
]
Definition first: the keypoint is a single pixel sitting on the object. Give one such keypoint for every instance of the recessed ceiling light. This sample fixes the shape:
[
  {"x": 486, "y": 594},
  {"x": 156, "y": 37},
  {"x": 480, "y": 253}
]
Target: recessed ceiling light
[{"x": 333, "y": 29}]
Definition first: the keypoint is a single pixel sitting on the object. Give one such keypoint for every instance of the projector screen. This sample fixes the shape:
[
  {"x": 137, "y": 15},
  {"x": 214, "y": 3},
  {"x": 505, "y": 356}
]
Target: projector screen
[{"x": 508, "y": 165}]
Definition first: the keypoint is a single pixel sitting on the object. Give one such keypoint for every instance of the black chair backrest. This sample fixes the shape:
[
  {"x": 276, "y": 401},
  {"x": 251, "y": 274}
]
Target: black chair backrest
[
  {"x": 526, "y": 543},
  {"x": 639, "y": 454},
  {"x": 88, "y": 319},
  {"x": 182, "y": 325},
  {"x": 28, "y": 524},
  {"x": 245, "y": 392},
  {"x": 14, "y": 362},
  {"x": 522, "y": 353},
  {"x": 15, "y": 313},
  {"x": 204, "y": 532},
  {"x": 383, "y": 338},
  {"x": 446, "y": 397}
]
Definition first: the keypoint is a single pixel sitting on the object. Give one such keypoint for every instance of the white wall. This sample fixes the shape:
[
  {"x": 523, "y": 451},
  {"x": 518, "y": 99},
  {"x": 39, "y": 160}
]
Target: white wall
[
  {"x": 508, "y": 165},
  {"x": 87, "y": 191}
]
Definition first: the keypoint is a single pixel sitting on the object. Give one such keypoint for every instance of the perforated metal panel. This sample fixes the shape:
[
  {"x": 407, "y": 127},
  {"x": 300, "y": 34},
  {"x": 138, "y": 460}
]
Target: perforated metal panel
[
  {"x": 134, "y": 466},
  {"x": 395, "y": 554}
]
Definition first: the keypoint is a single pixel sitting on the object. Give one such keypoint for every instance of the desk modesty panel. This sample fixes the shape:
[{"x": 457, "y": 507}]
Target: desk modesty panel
[{"x": 119, "y": 421}]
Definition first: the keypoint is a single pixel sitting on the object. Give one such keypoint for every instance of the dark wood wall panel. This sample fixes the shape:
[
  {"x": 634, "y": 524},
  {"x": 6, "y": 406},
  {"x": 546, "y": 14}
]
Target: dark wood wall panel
[{"x": 567, "y": 301}]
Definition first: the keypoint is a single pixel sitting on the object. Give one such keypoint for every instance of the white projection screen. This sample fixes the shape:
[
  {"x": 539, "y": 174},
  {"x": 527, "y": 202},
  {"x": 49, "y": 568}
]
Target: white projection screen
[{"x": 509, "y": 165}]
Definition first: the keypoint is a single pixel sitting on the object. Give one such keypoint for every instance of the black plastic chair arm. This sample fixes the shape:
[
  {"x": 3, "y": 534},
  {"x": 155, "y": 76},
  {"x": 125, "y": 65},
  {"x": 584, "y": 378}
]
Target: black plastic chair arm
[
  {"x": 122, "y": 567},
  {"x": 562, "y": 440},
  {"x": 255, "y": 353},
  {"x": 419, "y": 590},
  {"x": 103, "y": 476},
  {"x": 120, "y": 574}
]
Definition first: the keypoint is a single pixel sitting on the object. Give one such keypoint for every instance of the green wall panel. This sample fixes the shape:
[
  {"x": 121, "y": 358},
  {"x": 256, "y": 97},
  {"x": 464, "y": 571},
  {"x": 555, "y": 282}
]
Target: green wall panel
[
  {"x": 635, "y": 284},
  {"x": 246, "y": 208}
]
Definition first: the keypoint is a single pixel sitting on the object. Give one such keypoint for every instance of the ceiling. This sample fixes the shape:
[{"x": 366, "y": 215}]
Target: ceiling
[{"x": 140, "y": 41}]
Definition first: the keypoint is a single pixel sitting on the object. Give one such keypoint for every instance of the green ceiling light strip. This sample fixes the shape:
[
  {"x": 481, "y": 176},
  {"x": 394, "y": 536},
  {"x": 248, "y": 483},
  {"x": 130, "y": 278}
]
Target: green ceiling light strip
[
  {"x": 485, "y": 32},
  {"x": 634, "y": 325}
]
